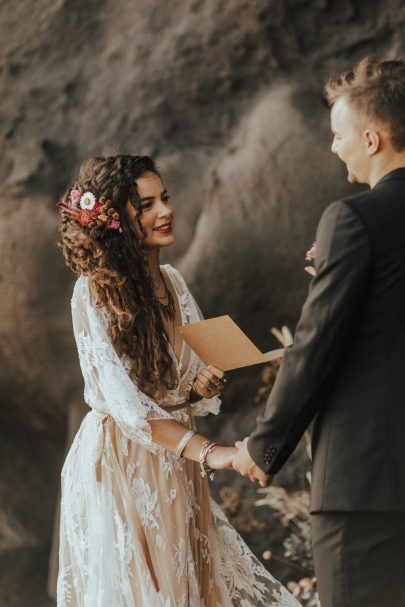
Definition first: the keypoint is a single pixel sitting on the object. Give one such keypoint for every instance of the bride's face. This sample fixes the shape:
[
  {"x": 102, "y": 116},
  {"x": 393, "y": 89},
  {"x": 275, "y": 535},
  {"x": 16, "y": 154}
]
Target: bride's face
[{"x": 157, "y": 212}]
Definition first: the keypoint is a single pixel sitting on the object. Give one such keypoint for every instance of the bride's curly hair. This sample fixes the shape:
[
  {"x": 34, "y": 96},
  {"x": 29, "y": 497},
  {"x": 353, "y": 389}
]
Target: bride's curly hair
[{"x": 116, "y": 265}]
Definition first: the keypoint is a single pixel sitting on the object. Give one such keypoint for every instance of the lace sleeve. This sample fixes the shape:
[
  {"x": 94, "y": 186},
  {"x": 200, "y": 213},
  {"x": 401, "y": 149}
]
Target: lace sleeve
[
  {"x": 107, "y": 384},
  {"x": 193, "y": 314},
  {"x": 206, "y": 405}
]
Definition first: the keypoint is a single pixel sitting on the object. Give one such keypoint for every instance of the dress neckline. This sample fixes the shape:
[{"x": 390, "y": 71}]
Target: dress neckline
[
  {"x": 179, "y": 294},
  {"x": 170, "y": 273}
]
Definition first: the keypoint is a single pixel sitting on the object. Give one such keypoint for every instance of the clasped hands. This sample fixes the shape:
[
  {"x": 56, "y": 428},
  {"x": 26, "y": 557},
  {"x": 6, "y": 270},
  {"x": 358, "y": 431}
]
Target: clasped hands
[
  {"x": 244, "y": 464},
  {"x": 239, "y": 459},
  {"x": 210, "y": 382}
]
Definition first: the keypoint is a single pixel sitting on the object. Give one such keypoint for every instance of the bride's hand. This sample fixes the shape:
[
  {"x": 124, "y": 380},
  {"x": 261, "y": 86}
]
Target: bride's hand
[
  {"x": 209, "y": 382},
  {"x": 220, "y": 457}
]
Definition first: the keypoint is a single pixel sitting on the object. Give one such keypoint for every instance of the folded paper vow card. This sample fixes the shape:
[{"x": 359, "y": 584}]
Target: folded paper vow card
[{"x": 221, "y": 343}]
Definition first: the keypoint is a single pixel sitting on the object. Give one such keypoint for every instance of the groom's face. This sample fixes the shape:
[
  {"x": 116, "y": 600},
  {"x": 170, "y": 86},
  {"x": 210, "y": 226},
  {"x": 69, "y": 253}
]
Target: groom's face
[{"x": 347, "y": 125}]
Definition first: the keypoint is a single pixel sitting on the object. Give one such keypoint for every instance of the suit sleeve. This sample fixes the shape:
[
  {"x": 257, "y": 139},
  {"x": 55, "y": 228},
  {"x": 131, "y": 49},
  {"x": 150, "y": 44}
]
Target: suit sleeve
[{"x": 329, "y": 315}]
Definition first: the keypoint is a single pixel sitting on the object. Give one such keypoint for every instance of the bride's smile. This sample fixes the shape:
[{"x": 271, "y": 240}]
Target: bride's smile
[{"x": 157, "y": 212}]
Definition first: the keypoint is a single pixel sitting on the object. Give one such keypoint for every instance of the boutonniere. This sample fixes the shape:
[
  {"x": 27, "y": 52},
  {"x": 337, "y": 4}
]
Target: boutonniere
[{"x": 310, "y": 256}]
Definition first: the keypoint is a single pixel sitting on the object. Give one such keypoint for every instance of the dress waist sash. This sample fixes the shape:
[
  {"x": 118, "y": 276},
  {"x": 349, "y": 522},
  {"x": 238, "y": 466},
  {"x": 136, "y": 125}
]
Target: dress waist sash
[{"x": 103, "y": 417}]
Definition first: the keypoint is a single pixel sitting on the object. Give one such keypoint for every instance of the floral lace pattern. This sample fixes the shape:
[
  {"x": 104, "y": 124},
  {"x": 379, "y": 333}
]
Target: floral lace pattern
[{"x": 138, "y": 527}]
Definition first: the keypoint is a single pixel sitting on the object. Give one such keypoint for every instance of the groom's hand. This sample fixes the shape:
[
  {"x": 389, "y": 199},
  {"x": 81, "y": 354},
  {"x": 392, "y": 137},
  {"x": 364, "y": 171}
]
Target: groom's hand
[{"x": 245, "y": 465}]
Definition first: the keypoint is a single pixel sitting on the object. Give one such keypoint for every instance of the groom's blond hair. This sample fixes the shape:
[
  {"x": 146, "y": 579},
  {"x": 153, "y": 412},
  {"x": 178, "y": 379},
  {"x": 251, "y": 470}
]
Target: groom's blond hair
[{"x": 378, "y": 89}]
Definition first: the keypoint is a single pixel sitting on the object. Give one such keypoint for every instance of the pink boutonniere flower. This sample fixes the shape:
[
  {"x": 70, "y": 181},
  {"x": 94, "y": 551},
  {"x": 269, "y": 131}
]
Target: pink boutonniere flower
[{"x": 310, "y": 256}]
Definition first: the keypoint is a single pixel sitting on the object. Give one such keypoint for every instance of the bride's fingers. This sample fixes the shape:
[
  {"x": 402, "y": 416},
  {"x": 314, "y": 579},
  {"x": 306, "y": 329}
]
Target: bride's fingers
[
  {"x": 218, "y": 374},
  {"x": 209, "y": 375},
  {"x": 205, "y": 373},
  {"x": 211, "y": 389},
  {"x": 202, "y": 389},
  {"x": 210, "y": 380},
  {"x": 238, "y": 444},
  {"x": 213, "y": 374}
]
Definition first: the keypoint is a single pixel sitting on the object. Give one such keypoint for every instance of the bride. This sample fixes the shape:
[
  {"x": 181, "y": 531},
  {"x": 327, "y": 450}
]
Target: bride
[{"x": 138, "y": 526}]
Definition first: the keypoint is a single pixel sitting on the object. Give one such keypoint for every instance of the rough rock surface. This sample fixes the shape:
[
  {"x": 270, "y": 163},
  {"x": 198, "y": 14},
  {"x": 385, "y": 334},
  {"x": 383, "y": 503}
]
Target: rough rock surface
[{"x": 227, "y": 96}]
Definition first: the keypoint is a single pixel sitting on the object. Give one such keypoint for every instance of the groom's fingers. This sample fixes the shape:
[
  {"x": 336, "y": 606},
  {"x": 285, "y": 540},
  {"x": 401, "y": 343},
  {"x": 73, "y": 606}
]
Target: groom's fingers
[
  {"x": 238, "y": 444},
  {"x": 258, "y": 476},
  {"x": 265, "y": 480}
]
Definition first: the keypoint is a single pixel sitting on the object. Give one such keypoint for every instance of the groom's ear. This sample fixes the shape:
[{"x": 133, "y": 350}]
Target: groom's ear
[{"x": 372, "y": 141}]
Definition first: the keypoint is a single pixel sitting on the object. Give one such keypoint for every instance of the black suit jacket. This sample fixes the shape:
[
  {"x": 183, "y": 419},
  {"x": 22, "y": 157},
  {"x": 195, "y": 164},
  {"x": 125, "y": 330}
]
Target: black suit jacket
[{"x": 347, "y": 365}]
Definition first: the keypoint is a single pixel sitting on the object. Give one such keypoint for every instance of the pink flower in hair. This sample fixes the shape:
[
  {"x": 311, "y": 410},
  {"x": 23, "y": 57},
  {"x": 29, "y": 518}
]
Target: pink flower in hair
[
  {"x": 114, "y": 225},
  {"x": 75, "y": 197}
]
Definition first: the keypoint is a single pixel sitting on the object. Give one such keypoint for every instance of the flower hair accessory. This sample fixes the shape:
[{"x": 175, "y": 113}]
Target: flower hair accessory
[{"x": 90, "y": 212}]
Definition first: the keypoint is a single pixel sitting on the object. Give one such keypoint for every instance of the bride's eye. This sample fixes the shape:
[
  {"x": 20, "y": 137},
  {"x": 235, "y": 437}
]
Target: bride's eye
[
  {"x": 146, "y": 206},
  {"x": 166, "y": 198}
]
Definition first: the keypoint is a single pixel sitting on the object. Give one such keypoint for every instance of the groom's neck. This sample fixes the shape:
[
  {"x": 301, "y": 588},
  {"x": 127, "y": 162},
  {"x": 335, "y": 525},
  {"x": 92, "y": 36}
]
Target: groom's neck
[{"x": 385, "y": 165}]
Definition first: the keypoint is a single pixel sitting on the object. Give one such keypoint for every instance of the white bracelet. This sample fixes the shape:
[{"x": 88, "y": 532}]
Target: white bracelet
[{"x": 183, "y": 442}]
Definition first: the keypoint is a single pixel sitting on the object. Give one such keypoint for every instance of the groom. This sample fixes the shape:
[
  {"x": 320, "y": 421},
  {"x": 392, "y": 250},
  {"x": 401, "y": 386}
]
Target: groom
[{"x": 346, "y": 368}]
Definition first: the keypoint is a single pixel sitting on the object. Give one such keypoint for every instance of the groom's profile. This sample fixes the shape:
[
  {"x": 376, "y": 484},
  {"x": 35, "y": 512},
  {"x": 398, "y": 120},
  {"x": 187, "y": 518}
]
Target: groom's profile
[{"x": 346, "y": 368}]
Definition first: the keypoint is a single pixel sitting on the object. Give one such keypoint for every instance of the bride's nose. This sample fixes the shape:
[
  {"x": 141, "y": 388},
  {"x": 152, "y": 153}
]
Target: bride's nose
[{"x": 164, "y": 209}]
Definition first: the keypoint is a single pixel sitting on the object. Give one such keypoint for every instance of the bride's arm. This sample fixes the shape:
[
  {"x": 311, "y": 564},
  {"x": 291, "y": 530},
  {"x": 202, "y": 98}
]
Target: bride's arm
[
  {"x": 109, "y": 389},
  {"x": 168, "y": 432}
]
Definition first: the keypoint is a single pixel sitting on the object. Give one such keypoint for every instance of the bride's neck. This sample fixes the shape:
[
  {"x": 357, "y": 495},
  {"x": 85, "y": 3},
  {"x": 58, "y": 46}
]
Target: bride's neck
[{"x": 153, "y": 257}]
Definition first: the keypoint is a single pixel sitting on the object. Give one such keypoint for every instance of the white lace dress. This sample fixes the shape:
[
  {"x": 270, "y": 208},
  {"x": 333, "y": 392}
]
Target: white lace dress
[{"x": 138, "y": 526}]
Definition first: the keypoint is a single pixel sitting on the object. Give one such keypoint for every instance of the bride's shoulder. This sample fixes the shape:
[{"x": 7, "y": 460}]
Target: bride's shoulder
[
  {"x": 175, "y": 275},
  {"x": 80, "y": 290},
  {"x": 83, "y": 300},
  {"x": 81, "y": 285}
]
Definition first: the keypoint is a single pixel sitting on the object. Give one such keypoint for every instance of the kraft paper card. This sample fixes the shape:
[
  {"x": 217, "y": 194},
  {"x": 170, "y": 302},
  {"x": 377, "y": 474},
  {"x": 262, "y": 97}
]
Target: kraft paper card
[{"x": 221, "y": 343}]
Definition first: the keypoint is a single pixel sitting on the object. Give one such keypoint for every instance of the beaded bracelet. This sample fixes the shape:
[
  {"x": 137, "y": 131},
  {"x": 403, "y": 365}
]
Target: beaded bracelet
[
  {"x": 187, "y": 436},
  {"x": 206, "y": 448}
]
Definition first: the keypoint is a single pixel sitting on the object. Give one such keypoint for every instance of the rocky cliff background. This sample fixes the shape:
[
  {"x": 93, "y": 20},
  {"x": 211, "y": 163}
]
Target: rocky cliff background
[{"x": 227, "y": 95}]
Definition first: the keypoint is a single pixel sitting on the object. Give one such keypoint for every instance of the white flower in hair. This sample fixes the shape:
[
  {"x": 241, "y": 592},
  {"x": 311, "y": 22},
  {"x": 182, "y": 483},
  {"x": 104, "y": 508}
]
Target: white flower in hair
[{"x": 87, "y": 201}]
